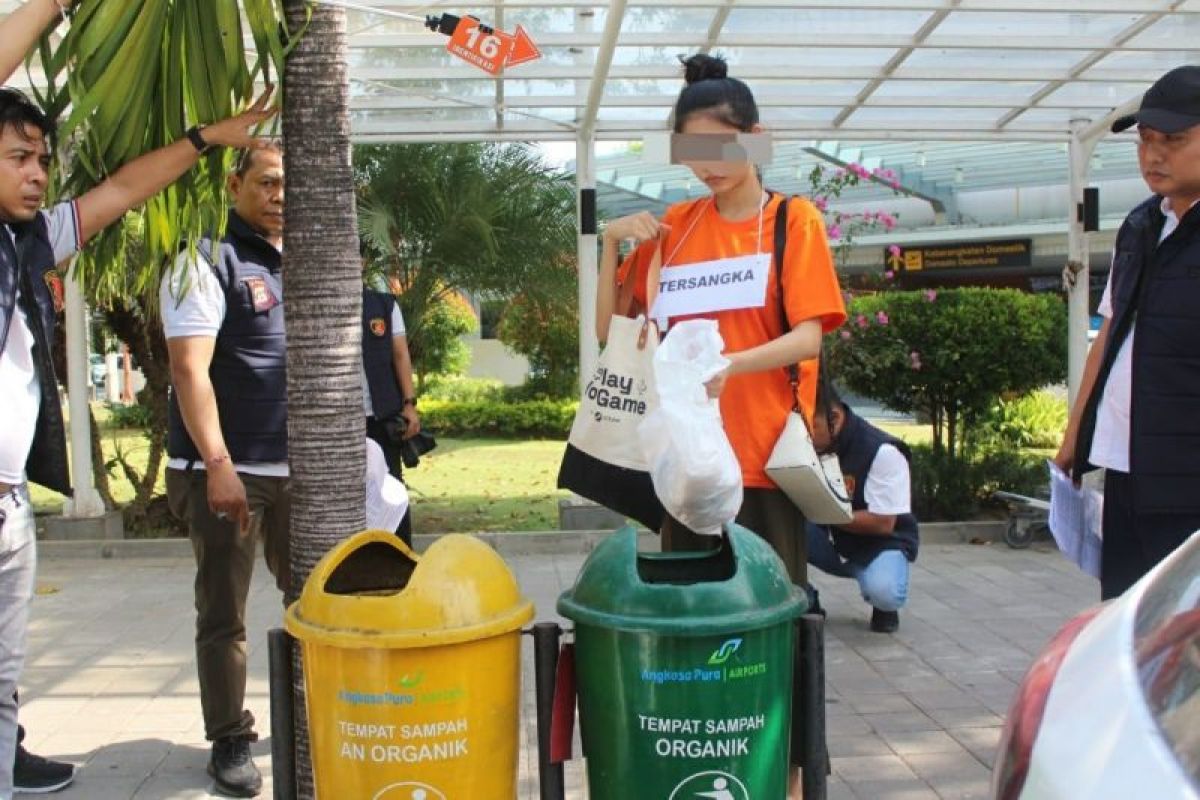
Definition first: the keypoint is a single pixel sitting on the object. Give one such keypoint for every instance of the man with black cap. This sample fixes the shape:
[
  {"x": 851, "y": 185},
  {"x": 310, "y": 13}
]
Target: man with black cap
[{"x": 1136, "y": 414}]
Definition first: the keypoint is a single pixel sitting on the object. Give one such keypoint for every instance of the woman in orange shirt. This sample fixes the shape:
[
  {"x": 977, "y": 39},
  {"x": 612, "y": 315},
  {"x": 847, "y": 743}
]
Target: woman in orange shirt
[{"x": 723, "y": 234}]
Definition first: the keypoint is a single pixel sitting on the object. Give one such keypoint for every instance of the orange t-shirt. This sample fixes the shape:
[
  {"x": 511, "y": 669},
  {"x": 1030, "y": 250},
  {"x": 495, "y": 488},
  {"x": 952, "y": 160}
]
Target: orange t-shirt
[{"x": 754, "y": 406}]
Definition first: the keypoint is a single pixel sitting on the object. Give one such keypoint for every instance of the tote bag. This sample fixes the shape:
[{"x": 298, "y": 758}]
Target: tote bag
[
  {"x": 813, "y": 482},
  {"x": 603, "y": 460}
]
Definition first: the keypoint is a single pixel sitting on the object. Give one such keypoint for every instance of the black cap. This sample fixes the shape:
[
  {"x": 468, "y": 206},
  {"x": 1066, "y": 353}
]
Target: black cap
[{"x": 1171, "y": 105}]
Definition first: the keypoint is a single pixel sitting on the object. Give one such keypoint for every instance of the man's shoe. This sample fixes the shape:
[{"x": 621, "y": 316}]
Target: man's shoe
[
  {"x": 885, "y": 621},
  {"x": 232, "y": 768},
  {"x": 36, "y": 775}
]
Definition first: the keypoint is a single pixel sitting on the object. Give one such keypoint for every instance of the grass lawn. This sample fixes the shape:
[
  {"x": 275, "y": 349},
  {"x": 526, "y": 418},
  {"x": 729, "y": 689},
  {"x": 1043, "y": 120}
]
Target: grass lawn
[
  {"x": 465, "y": 485},
  {"x": 486, "y": 485}
]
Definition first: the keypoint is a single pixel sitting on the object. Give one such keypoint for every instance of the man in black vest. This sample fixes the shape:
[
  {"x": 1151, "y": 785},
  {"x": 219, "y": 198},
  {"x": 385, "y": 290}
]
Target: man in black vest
[
  {"x": 877, "y": 545},
  {"x": 32, "y": 440},
  {"x": 1136, "y": 412},
  {"x": 388, "y": 393},
  {"x": 227, "y": 477}
]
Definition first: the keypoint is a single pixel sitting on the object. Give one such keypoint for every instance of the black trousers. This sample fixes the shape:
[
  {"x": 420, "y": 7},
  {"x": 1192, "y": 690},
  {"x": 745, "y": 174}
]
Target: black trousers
[
  {"x": 1135, "y": 542},
  {"x": 377, "y": 432}
]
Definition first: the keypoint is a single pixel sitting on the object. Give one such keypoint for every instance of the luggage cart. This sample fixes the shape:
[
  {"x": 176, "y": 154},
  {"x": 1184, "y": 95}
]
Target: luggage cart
[{"x": 1027, "y": 518}]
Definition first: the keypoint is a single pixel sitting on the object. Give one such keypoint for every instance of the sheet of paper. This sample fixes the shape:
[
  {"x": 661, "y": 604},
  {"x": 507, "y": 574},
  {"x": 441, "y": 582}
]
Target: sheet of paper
[
  {"x": 1075, "y": 517},
  {"x": 387, "y": 499}
]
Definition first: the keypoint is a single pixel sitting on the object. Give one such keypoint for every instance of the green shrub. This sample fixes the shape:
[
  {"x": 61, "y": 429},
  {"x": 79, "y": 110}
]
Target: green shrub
[
  {"x": 1037, "y": 419},
  {"x": 461, "y": 389},
  {"x": 532, "y": 418},
  {"x": 950, "y": 354},
  {"x": 946, "y": 488},
  {"x": 133, "y": 415}
]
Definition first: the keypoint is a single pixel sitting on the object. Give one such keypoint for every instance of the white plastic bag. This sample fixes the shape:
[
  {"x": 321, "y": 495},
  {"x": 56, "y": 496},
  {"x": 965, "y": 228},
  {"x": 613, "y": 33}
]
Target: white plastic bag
[{"x": 695, "y": 472}]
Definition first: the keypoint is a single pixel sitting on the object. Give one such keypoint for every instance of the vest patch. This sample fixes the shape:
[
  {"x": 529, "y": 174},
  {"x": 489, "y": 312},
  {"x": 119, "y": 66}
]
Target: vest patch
[
  {"x": 260, "y": 294},
  {"x": 378, "y": 326},
  {"x": 54, "y": 283}
]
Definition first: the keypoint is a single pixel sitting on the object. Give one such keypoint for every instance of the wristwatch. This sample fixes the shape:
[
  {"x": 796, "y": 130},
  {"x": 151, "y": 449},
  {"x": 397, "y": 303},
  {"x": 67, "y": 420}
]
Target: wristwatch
[
  {"x": 410, "y": 401},
  {"x": 197, "y": 139}
]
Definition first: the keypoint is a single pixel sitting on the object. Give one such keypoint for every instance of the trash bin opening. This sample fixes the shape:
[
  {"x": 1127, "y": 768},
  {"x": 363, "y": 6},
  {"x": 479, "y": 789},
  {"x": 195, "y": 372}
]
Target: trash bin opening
[
  {"x": 375, "y": 568},
  {"x": 687, "y": 567}
]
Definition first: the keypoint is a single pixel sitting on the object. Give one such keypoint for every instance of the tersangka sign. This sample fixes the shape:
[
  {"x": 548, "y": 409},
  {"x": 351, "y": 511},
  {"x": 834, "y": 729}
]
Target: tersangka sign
[{"x": 996, "y": 253}]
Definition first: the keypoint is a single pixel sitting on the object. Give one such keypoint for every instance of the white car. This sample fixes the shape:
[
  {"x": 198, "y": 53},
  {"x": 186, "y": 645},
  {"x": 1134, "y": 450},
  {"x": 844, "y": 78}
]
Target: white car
[{"x": 1111, "y": 708}]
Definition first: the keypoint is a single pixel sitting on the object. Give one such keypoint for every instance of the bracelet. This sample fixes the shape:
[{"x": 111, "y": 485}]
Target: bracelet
[
  {"x": 410, "y": 401},
  {"x": 216, "y": 460},
  {"x": 194, "y": 136}
]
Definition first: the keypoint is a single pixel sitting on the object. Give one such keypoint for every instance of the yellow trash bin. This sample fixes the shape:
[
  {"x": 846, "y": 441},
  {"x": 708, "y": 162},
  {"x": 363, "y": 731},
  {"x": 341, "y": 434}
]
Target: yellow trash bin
[{"x": 412, "y": 670}]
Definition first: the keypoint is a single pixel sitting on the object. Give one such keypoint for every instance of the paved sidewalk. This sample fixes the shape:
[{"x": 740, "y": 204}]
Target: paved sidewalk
[{"x": 110, "y": 682}]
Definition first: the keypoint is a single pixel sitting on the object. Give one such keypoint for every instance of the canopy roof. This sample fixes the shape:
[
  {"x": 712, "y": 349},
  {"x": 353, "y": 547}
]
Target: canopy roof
[{"x": 830, "y": 70}]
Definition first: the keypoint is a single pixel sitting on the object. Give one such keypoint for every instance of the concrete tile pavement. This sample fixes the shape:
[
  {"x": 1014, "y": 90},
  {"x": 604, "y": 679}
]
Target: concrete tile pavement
[{"x": 111, "y": 686}]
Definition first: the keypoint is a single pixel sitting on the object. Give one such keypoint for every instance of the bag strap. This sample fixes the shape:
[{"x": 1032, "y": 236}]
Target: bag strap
[
  {"x": 781, "y": 221},
  {"x": 653, "y": 273}
]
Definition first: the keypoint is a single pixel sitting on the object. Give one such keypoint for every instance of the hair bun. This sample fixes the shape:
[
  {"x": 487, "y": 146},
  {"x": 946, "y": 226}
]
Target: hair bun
[{"x": 701, "y": 67}]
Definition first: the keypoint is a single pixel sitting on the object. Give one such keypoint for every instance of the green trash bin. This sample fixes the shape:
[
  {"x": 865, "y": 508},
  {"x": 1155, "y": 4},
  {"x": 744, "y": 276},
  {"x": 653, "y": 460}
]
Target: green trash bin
[{"x": 684, "y": 665}]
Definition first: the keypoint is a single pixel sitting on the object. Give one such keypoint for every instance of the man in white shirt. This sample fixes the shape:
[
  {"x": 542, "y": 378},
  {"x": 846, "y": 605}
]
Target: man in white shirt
[
  {"x": 227, "y": 477},
  {"x": 1135, "y": 415},
  {"x": 32, "y": 441},
  {"x": 877, "y": 545}
]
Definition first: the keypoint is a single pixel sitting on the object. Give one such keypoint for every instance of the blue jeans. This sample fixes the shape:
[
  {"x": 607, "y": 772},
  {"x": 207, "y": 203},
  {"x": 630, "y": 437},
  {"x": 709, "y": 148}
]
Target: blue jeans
[
  {"x": 883, "y": 582},
  {"x": 18, "y": 562}
]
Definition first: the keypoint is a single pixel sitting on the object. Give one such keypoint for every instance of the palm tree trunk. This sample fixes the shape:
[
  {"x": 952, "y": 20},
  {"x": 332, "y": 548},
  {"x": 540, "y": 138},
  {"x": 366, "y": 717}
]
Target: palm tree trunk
[{"x": 322, "y": 277}]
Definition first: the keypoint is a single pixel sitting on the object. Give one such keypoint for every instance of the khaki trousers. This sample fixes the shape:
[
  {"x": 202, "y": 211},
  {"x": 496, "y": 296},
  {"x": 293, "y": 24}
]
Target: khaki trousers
[{"x": 224, "y": 567}]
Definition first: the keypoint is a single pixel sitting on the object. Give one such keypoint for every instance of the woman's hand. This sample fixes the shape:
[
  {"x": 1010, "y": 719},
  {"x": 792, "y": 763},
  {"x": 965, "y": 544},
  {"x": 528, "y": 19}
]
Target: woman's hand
[
  {"x": 640, "y": 227},
  {"x": 716, "y": 384}
]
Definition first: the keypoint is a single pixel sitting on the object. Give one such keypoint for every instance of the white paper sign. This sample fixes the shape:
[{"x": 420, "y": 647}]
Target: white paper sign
[{"x": 722, "y": 285}]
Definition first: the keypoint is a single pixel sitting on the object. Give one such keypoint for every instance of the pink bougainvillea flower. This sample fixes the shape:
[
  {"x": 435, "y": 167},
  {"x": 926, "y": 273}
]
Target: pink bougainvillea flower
[
  {"x": 888, "y": 220},
  {"x": 889, "y": 275},
  {"x": 835, "y": 232},
  {"x": 931, "y": 295},
  {"x": 846, "y": 334},
  {"x": 881, "y": 317},
  {"x": 821, "y": 203},
  {"x": 914, "y": 359},
  {"x": 894, "y": 250},
  {"x": 861, "y": 321}
]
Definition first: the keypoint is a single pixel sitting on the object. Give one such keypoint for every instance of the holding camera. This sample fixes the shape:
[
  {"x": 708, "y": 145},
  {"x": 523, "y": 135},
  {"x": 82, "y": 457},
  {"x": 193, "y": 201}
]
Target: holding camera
[{"x": 389, "y": 400}]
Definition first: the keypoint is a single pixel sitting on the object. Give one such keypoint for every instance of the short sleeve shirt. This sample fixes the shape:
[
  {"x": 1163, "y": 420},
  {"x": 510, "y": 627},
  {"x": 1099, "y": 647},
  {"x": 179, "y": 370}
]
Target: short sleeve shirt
[
  {"x": 20, "y": 391},
  {"x": 754, "y": 406}
]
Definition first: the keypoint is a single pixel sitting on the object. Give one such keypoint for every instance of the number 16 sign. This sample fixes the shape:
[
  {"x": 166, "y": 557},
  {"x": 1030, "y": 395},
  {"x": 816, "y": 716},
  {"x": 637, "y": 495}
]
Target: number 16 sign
[{"x": 489, "y": 49}]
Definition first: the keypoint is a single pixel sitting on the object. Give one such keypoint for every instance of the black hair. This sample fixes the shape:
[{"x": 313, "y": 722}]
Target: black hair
[
  {"x": 18, "y": 111},
  {"x": 828, "y": 398},
  {"x": 711, "y": 92},
  {"x": 246, "y": 157}
]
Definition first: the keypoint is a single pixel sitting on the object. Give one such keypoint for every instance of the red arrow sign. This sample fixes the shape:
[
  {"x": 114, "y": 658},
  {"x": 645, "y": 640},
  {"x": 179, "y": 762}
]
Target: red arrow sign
[{"x": 489, "y": 49}]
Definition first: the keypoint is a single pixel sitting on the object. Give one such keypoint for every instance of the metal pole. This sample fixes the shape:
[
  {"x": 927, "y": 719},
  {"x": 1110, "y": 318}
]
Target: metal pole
[
  {"x": 585, "y": 180},
  {"x": 86, "y": 501},
  {"x": 546, "y": 637},
  {"x": 808, "y": 704},
  {"x": 1079, "y": 152},
  {"x": 283, "y": 714}
]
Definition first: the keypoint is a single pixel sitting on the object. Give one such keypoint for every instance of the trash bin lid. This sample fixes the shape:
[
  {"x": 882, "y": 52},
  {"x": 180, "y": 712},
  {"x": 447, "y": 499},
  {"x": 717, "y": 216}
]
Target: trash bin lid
[
  {"x": 372, "y": 591},
  {"x": 742, "y": 585}
]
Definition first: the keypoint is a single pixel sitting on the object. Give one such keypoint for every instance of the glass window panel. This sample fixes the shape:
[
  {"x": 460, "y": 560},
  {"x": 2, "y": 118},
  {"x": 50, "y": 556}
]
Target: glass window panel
[
  {"x": 901, "y": 118},
  {"x": 798, "y": 59},
  {"x": 654, "y": 56},
  {"x": 658, "y": 116},
  {"x": 379, "y": 57},
  {"x": 965, "y": 62},
  {"x": 1012, "y": 23},
  {"x": 824, "y": 22},
  {"x": 1147, "y": 64},
  {"x": 808, "y": 115},
  {"x": 1179, "y": 30},
  {"x": 1099, "y": 95},
  {"x": 642, "y": 19},
  {"x": 1001, "y": 94},
  {"x": 539, "y": 20}
]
